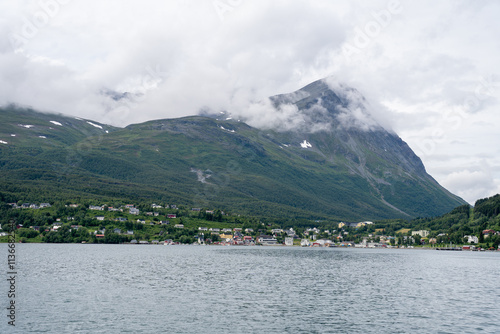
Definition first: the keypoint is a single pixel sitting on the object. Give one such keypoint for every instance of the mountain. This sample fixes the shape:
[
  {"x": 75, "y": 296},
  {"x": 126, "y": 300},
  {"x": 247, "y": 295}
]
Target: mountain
[
  {"x": 26, "y": 128},
  {"x": 335, "y": 163}
]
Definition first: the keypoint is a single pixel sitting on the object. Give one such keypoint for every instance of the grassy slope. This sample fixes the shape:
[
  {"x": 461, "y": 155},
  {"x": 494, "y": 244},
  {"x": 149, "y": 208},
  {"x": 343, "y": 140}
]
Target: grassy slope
[{"x": 250, "y": 172}]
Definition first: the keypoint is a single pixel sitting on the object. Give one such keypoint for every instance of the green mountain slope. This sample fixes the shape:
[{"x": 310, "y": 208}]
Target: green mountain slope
[
  {"x": 481, "y": 221},
  {"x": 26, "y": 128},
  {"x": 341, "y": 173}
]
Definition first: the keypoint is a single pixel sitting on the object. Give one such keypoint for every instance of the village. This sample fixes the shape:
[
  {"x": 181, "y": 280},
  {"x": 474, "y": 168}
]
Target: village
[{"x": 172, "y": 225}]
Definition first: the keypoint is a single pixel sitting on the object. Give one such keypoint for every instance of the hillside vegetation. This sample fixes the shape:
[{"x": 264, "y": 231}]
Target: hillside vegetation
[{"x": 340, "y": 173}]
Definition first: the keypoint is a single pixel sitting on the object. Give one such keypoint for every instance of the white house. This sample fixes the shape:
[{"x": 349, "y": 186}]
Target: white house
[
  {"x": 305, "y": 243},
  {"x": 422, "y": 233},
  {"x": 267, "y": 240},
  {"x": 472, "y": 239}
]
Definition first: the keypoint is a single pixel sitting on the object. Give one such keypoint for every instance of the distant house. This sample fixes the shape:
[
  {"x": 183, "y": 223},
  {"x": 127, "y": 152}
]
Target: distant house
[
  {"x": 44, "y": 205},
  {"x": 216, "y": 230},
  {"x": 305, "y": 243},
  {"x": 179, "y": 226},
  {"x": 117, "y": 231},
  {"x": 344, "y": 224},
  {"x": 247, "y": 239},
  {"x": 195, "y": 209},
  {"x": 249, "y": 230},
  {"x": 163, "y": 222},
  {"x": 227, "y": 237},
  {"x": 129, "y": 232},
  {"x": 203, "y": 228},
  {"x": 133, "y": 241},
  {"x": 143, "y": 242},
  {"x": 422, "y": 233},
  {"x": 155, "y": 206},
  {"x": 487, "y": 233},
  {"x": 355, "y": 225},
  {"x": 95, "y": 207},
  {"x": 267, "y": 240},
  {"x": 134, "y": 211},
  {"x": 171, "y": 215},
  {"x": 121, "y": 219},
  {"x": 141, "y": 221},
  {"x": 99, "y": 217},
  {"x": 99, "y": 236},
  {"x": 472, "y": 239},
  {"x": 289, "y": 241}
]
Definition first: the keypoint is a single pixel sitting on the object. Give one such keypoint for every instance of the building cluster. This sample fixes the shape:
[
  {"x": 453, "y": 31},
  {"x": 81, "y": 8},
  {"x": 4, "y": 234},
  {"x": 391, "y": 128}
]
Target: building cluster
[
  {"x": 29, "y": 205},
  {"x": 344, "y": 236}
]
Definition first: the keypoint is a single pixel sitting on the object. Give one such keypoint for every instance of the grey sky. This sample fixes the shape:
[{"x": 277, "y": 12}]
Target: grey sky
[{"x": 430, "y": 69}]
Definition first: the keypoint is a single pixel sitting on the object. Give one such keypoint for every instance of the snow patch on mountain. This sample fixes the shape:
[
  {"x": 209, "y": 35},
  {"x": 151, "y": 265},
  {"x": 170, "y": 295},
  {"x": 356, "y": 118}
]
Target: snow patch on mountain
[
  {"x": 26, "y": 126},
  {"x": 223, "y": 128},
  {"x": 96, "y": 125},
  {"x": 305, "y": 144},
  {"x": 3, "y": 142},
  {"x": 56, "y": 123}
]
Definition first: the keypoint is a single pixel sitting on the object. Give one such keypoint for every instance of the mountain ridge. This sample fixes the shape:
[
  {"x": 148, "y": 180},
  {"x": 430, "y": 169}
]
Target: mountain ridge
[{"x": 339, "y": 172}]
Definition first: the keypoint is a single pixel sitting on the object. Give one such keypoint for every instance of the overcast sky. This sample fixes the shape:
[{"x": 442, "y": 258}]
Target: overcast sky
[{"x": 431, "y": 67}]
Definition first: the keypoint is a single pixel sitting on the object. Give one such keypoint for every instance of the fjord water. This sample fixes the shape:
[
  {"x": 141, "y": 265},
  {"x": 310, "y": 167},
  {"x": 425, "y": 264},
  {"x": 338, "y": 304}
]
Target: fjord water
[{"x": 203, "y": 289}]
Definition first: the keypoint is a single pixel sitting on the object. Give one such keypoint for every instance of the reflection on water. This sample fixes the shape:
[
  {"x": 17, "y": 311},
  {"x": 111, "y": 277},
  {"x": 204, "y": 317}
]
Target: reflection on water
[{"x": 188, "y": 289}]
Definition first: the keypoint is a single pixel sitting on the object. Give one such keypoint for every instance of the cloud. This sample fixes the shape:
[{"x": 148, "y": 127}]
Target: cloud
[
  {"x": 473, "y": 184},
  {"x": 426, "y": 69}
]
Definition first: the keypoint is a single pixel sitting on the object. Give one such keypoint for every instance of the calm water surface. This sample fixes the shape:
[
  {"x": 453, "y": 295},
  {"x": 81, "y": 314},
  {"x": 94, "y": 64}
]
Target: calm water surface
[{"x": 197, "y": 289}]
